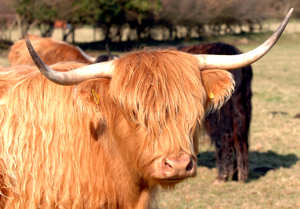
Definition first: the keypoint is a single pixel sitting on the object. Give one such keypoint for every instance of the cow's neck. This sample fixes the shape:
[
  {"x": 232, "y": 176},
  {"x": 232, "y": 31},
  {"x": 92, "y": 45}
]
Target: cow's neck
[{"x": 131, "y": 191}]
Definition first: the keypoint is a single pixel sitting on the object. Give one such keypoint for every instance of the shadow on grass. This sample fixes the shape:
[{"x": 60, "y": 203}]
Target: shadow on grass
[{"x": 260, "y": 163}]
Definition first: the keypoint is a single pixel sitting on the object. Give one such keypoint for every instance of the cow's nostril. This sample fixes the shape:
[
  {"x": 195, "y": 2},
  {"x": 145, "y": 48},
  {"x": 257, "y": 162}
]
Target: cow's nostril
[
  {"x": 168, "y": 164},
  {"x": 178, "y": 167},
  {"x": 190, "y": 165}
]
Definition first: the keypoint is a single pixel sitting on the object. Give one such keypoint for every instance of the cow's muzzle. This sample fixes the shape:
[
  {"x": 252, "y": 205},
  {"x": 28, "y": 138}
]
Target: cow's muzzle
[{"x": 174, "y": 168}]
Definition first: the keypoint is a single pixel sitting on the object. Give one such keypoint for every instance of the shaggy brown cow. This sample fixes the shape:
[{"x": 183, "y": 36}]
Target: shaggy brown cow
[
  {"x": 50, "y": 50},
  {"x": 121, "y": 128},
  {"x": 228, "y": 128}
]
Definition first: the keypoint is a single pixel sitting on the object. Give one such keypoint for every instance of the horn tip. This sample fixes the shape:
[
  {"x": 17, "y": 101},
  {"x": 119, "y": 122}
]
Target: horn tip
[{"x": 291, "y": 10}]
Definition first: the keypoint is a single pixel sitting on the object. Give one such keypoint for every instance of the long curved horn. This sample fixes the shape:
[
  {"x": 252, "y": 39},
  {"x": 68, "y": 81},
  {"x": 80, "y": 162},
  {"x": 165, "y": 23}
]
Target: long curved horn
[
  {"x": 229, "y": 62},
  {"x": 86, "y": 56},
  {"x": 99, "y": 70}
]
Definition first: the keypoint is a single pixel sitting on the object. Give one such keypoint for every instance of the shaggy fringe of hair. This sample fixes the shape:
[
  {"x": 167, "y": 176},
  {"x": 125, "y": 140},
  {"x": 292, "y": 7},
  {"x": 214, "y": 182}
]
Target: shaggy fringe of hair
[{"x": 162, "y": 91}]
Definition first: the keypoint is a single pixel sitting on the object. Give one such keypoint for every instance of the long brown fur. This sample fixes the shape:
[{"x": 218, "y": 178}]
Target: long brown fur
[
  {"x": 50, "y": 158},
  {"x": 90, "y": 145},
  {"x": 50, "y": 50}
]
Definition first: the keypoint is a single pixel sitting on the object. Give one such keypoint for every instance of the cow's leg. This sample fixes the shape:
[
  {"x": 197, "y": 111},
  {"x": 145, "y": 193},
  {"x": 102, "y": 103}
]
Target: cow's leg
[
  {"x": 242, "y": 126},
  {"x": 224, "y": 157},
  {"x": 241, "y": 150},
  {"x": 240, "y": 145},
  {"x": 242, "y": 119},
  {"x": 219, "y": 126}
]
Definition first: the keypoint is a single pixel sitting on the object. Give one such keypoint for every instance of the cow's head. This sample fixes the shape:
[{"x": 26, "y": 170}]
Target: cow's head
[{"x": 160, "y": 96}]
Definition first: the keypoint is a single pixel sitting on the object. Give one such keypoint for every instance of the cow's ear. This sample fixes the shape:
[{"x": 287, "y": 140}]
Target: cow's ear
[{"x": 219, "y": 86}]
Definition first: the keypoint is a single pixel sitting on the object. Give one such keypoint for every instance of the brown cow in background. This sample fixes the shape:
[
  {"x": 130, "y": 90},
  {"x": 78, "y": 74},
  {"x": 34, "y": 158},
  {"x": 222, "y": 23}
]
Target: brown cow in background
[
  {"x": 228, "y": 127},
  {"x": 50, "y": 50},
  {"x": 111, "y": 132}
]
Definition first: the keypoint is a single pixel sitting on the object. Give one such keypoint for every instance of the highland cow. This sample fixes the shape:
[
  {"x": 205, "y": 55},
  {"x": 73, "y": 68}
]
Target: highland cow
[
  {"x": 111, "y": 132},
  {"x": 228, "y": 128},
  {"x": 50, "y": 50}
]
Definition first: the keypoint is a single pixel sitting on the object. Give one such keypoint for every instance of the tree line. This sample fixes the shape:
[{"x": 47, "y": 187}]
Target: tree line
[{"x": 196, "y": 17}]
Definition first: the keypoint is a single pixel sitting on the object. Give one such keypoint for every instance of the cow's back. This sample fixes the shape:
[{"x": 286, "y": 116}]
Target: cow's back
[{"x": 49, "y": 50}]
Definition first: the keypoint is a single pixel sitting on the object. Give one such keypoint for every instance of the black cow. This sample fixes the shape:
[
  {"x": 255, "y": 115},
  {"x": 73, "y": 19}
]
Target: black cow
[{"x": 228, "y": 128}]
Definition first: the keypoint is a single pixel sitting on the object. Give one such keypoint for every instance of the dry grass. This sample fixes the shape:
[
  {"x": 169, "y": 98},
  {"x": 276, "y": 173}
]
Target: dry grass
[{"x": 274, "y": 142}]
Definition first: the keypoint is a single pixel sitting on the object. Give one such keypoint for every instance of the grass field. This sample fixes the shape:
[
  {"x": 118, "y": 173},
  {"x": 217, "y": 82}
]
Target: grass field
[{"x": 274, "y": 181}]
